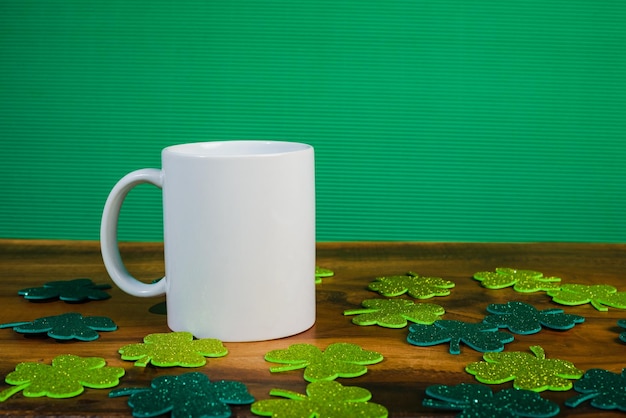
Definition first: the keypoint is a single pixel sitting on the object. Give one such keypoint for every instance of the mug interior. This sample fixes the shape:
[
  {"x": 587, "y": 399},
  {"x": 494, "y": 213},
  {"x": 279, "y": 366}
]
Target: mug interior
[{"x": 237, "y": 148}]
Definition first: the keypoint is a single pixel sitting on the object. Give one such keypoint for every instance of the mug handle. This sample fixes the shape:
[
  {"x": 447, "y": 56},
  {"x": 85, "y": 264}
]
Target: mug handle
[{"x": 108, "y": 234}]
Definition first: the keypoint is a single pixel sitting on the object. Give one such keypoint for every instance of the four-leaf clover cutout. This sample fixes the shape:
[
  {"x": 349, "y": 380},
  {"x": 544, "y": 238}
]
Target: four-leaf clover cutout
[
  {"x": 394, "y": 313},
  {"x": 416, "y": 286},
  {"x": 524, "y": 281},
  {"x": 76, "y": 290},
  {"x": 66, "y": 326},
  {"x": 600, "y": 296}
]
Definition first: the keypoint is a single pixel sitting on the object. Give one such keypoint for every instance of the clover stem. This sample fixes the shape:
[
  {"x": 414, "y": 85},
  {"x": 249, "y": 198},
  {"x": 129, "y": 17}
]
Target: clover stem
[{"x": 7, "y": 393}]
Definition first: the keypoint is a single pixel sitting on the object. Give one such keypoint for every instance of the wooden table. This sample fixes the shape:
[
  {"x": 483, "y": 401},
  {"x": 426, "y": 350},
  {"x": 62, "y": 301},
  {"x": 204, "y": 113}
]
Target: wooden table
[{"x": 398, "y": 382}]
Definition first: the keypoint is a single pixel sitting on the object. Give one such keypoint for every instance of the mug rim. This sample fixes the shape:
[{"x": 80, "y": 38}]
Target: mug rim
[{"x": 236, "y": 148}]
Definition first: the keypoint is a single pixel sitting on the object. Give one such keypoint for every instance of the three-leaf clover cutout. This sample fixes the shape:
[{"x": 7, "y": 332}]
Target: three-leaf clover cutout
[
  {"x": 173, "y": 349},
  {"x": 524, "y": 281},
  {"x": 478, "y": 401},
  {"x": 66, "y": 326},
  {"x": 416, "y": 286},
  {"x": 394, "y": 313},
  {"x": 76, "y": 290},
  {"x": 66, "y": 377},
  {"x": 530, "y": 372},
  {"x": 600, "y": 296},
  {"x": 606, "y": 389},
  {"x": 322, "y": 399},
  {"x": 190, "y": 395},
  {"x": 338, "y": 360},
  {"x": 522, "y": 318}
]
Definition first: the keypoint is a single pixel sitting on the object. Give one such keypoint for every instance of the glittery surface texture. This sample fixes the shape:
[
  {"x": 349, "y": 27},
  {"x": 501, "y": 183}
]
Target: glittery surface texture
[
  {"x": 66, "y": 326},
  {"x": 187, "y": 395},
  {"x": 479, "y": 336},
  {"x": 322, "y": 399},
  {"x": 394, "y": 313},
  {"x": 478, "y": 401},
  {"x": 77, "y": 290},
  {"x": 605, "y": 389},
  {"x": 173, "y": 349},
  {"x": 524, "y": 281},
  {"x": 522, "y": 318},
  {"x": 321, "y": 273},
  {"x": 65, "y": 378},
  {"x": 338, "y": 360},
  {"x": 600, "y": 296},
  {"x": 528, "y": 371},
  {"x": 416, "y": 286}
]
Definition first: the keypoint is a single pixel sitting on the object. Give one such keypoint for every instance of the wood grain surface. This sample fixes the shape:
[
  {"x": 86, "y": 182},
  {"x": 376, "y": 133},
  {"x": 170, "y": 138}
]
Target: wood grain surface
[{"x": 398, "y": 382}]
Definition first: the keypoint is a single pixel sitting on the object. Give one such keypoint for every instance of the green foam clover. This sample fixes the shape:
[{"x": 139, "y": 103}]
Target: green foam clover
[
  {"x": 524, "y": 281},
  {"x": 416, "y": 286},
  {"x": 530, "y": 372},
  {"x": 77, "y": 290},
  {"x": 173, "y": 349},
  {"x": 66, "y": 326},
  {"x": 394, "y": 313},
  {"x": 607, "y": 390},
  {"x": 478, "y": 401},
  {"x": 322, "y": 399},
  {"x": 338, "y": 360},
  {"x": 599, "y": 295},
  {"x": 65, "y": 378},
  {"x": 321, "y": 273},
  {"x": 522, "y": 318},
  {"x": 187, "y": 395}
]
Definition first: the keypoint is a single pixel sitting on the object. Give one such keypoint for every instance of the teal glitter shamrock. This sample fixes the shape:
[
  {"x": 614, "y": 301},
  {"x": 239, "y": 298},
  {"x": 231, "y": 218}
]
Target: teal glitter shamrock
[
  {"x": 600, "y": 296},
  {"x": 65, "y": 378},
  {"x": 478, "y": 401},
  {"x": 338, "y": 360},
  {"x": 323, "y": 399},
  {"x": 76, "y": 290},
  {"x": 321, "y": 273},
  {"x": 522, "y": 318},
  {"x": 394, "y": 313},
  {"x": 416, "y": 286},
  {"x": 524, "y": 281},
  {"x": 606, "y": 389},
  {"x": 479, "y": 336},
  {"x": 186, "y": 395},
  {"x": 66, "y": 326},
  {"x": 622, "y": 323}
]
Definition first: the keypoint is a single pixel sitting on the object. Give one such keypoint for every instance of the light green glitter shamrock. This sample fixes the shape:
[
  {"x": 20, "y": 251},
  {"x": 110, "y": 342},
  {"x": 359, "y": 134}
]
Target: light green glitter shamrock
[
  {"x": 65, "y": 378},
  {"x": 323, "y": 399},
  {"x": 600, "y": 296},
  {"x": 524, "y": 281},
  {"x": 321, "y": 273},
  {"x": 536, "y": 373},
  {"x": 338, "y": 360},
  {"x": 394, "y": 313},
  {"x": 173, "y": 349},
  {"x": 415, "y": 286}
]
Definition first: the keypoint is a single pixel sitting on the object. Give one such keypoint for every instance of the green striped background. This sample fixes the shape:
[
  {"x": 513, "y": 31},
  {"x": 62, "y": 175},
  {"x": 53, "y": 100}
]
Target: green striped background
[{"x": 433, "y": 120}]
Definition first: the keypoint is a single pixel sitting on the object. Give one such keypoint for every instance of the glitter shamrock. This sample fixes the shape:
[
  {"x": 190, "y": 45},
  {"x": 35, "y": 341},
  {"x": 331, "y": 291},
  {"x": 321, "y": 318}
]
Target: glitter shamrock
[
  {"x": 524, "y": 281},
  {"x": 173, "y": 349},
  {"x": 600, "y": 296},
  {"x": 321, "y": 273},
  {"x": 415, "y": 286},
  {"x": 479, "y": 336},
  {"x": 338, "y": 360},
  {"x": 322, "y": 399},
  {"x": 536, "y": 373},
  {"x": 76, "y": 290},
  {"x": 478, "y": 401},
  {"x": 67, "y": 326},
  {"x": 186, "y": 395},
  {"x": 66, "y": 377},
  {"x": 622, "y": 323},
  {"x": 394, "y": 313},
  {"x": 606, "y": 389},
  {"x": 522, "y": 318}
]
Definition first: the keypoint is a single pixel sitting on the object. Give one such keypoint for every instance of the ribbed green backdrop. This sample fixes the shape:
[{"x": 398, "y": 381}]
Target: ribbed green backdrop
[{"x": 432, "y": 120}]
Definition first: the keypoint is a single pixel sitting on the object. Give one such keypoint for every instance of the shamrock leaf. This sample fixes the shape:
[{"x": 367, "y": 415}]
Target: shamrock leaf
[
  {"x": 480, "y": 336},
  {"x": 522, "y": 318},
  {"x": 66, "y": 377},
  {"x": 66, "y": 326},
  {"x": 338, "y": 360},
  {"x": 536, "y": 373},
  {"x": 479, "y": 401},
  {"x": 394, "y": 313},
  {"x": 186, "y": 395},
  {"x": 323, "y": 399},
  {"x": 76, "y": 290},
  {"x": 525, "y": 281},
  {"x": 607, "y": 389},
  {"x": 598, "y": 295},
  {"x": 173, "y": 349},
  {"x": 320, "y": 273},
  {"x": 417, "y": 287}
]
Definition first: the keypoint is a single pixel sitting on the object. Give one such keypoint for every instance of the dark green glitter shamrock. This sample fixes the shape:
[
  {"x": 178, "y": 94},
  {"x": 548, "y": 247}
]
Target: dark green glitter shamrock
[
  {"x": 416, "y": 286},
  {"x": 600, "y": 296},
  {"x": 66, "y": 326},
  {"x": 622, "y": 323},
  {"x": 479, "y": 336},
  {"x": 522, "y": 318},
  {"x": 524, "y": 281},
  {"x": 606, "y": 389},
  {"x": 76, "y": 290},
  {"x": 394, "y": 313},
  {"x": 478, "y": 401},
  {"x": 186, "y": 395}
]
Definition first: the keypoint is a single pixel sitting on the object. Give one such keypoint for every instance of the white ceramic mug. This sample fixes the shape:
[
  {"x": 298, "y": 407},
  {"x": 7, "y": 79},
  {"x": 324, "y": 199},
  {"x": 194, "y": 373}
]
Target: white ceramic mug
[{"x": 239, "y": 238}]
